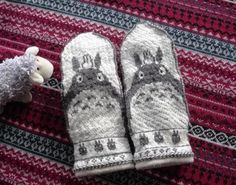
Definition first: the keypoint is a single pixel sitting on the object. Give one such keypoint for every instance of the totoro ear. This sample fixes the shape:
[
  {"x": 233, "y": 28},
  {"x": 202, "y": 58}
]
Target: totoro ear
[
  {"x": 137, "y": 60},
  {"x": 75, "y": 64},
  {"x": 97, "y": 61},
  {"x": 159, "y": 55},
  {"x": 147, "y": 54}
]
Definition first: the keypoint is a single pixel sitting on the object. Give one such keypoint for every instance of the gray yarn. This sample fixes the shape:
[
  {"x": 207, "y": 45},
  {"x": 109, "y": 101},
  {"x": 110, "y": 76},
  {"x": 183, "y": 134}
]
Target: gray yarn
[{"x": 14, "y": 78}]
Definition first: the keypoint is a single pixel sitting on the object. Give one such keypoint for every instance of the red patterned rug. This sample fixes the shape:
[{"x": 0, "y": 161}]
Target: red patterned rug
[{"x": 34, "y": 144}]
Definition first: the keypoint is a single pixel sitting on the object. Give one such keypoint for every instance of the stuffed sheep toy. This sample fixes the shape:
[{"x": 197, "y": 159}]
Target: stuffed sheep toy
[{"x": 17, "y": 76}]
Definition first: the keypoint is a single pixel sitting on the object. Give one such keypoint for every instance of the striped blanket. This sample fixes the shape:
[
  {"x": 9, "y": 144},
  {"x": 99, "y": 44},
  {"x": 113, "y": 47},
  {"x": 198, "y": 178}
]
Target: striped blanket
[{"x": 34, "y": 145}]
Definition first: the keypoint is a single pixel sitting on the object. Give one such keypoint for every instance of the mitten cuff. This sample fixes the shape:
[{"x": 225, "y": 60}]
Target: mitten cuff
[
  {"x": 162, "y": 148},
  {"x": 102, "y": 156},
  {"x": 103, "y": 169},
  {"x": 168, "y": 161}
]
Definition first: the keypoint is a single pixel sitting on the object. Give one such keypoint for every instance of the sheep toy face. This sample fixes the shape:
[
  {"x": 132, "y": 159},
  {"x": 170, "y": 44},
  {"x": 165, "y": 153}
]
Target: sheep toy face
[{"x": 44, "y": 67}]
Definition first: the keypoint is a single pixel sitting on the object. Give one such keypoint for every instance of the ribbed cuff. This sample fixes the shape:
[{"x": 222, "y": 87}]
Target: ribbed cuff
[
  {"x": 163, "y": 157},
  {"x": 102, "y": 155},
  {"x": 158, "y": 163},
  {"x": 104, "y": 164},
  {"x": 103, "y": 170},
  {"x": 166, "y": 147}
]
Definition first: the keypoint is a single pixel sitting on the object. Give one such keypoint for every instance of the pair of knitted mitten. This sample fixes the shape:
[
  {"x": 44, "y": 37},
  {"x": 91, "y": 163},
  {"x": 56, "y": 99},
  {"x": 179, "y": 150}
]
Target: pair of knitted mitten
[{"x": 154, "y": 102}]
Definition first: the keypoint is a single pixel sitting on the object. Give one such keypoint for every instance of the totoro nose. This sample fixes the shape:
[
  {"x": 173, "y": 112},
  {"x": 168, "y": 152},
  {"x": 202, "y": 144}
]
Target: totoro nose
[
  {"x": 90, "y": 77},
  {"x": 152, "y": 73}
]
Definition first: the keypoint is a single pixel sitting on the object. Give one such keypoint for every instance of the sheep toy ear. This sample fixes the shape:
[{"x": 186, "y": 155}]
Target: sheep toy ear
[
  {"x": 32, "y": 50},
  {"x": 36, "y": 78}
]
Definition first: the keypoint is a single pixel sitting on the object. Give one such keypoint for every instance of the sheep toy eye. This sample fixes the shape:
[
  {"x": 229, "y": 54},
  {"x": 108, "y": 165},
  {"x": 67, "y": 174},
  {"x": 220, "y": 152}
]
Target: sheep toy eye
[
  {"x": 79, "y": 78},
  {"x": 162, "y": 71},
  {"x": 100, "y": 77},
  {"x": 141, "y": 74}
]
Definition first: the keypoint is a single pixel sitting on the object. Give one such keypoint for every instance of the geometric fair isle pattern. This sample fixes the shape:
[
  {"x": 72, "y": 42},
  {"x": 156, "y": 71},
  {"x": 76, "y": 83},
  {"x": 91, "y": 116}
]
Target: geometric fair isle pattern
[{"x": 35, "y": 148}]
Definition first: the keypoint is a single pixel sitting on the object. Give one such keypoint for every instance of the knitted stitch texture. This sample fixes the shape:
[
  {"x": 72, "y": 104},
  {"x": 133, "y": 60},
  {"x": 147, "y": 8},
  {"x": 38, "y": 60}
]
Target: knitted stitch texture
[
  {"x": 93, "y": 105},
  {"x": 155, "y": 102}
]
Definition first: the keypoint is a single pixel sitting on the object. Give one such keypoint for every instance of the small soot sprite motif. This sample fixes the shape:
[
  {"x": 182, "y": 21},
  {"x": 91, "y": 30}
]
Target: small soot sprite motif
[
  {"x": 111, "y": 144},
  {"x": 155, "y": 102},
  {"x": 158, "y": 137},
  {"x": 93, "y": 106},
  {"x": 82, "y": 149}
]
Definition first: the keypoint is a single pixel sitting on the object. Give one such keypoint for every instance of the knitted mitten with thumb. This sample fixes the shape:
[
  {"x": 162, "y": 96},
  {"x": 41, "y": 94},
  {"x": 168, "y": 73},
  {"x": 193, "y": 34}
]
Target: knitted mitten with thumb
[
  {"x": 93, "y": 106},
  {"x": 155, "y": 101}
]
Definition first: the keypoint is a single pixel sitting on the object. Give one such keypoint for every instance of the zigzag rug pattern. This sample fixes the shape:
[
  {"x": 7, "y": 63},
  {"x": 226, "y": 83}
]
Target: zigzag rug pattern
[{"x": 35, "y": 148}]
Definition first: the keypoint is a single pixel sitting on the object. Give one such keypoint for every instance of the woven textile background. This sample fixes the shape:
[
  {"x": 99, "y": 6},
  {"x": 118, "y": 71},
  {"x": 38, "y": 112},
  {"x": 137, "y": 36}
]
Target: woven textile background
[{"x": 34, "y": 144}]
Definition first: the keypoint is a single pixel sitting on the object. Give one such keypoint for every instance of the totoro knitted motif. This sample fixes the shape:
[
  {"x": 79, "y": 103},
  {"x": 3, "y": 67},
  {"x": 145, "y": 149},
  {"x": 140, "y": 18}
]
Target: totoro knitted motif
[
  {"x": 155, "y": 102},
  {"x": 93, "y": 105}
]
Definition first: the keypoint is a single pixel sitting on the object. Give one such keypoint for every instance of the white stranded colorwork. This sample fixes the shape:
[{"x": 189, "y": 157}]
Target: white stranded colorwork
[{"x": 17, "y": 76}]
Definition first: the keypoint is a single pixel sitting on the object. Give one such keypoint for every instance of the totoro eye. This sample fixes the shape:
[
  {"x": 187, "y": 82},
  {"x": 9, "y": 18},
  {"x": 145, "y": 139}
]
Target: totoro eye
[
  {"x": 100, "y": 77},
  {"x": 162, "y": 70},
  {"x": 141, "y": 74},
  {"x": 79, "y": 78}
]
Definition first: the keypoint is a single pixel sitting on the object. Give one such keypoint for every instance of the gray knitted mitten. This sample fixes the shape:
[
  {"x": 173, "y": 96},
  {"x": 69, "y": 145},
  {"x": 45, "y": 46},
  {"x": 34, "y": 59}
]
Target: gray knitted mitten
[
  {"x": 93, "y": 106},
  {"x": 155, "y": 102}
]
